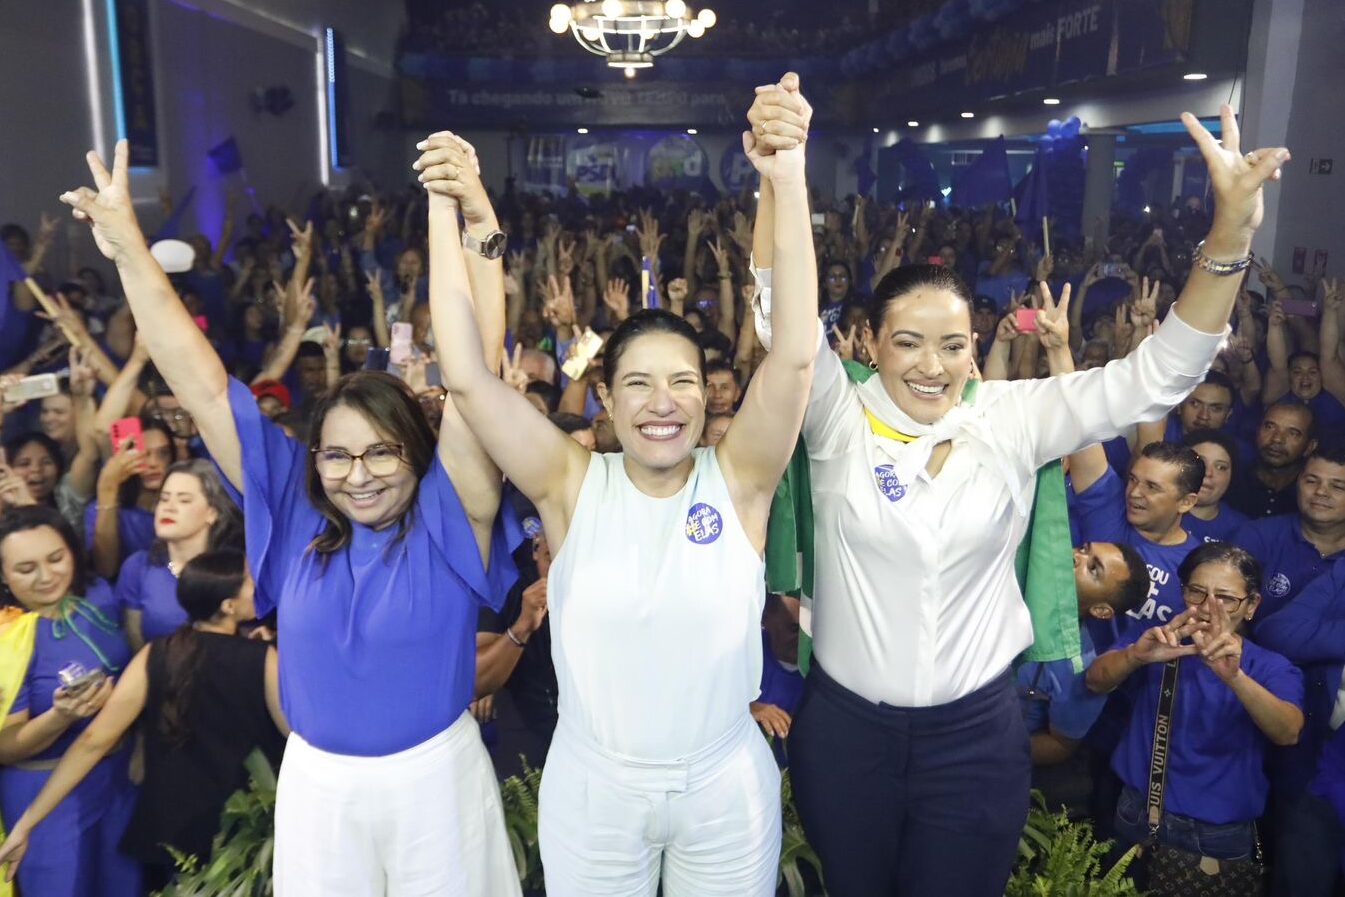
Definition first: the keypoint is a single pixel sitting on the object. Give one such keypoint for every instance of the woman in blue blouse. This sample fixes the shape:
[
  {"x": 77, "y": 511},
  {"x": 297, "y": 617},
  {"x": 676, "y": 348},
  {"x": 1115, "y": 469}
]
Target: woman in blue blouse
[
  {"x": 73, "y": 852},
  {"x": 1234, "y": 699},
  {"x": 377, "y": 549},
  {"x": 194, "y": 515}
]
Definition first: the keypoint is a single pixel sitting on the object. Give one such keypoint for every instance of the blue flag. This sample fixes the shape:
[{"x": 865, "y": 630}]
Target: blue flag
[
  {"x": 986, "y": 181},
  {"x": 170, "y": 229},
  {"x": 1033, "y": 196},
  {"x": 921, "y": 181},
  {"x": 226, "y": 156}
]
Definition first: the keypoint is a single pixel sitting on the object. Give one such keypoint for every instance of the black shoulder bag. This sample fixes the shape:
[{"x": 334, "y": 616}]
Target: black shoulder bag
[{"x": 1174, "y": 872}]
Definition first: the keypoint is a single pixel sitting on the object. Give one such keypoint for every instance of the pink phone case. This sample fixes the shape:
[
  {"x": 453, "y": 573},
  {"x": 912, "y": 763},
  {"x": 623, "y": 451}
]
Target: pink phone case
[
  {"x": 1026, "y": 320},
  {"x": 124, "y": 429}
]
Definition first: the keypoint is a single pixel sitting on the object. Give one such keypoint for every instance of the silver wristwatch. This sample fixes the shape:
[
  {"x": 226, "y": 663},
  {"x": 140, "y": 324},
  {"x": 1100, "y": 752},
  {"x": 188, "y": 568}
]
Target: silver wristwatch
[{"x": 491, "y": 246}]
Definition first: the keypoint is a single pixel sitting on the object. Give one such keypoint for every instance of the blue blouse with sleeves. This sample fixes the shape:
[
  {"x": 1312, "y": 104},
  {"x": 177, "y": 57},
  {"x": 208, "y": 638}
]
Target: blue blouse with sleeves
[
  {"x": 150, "y": 588},
  {"x": 378, "y": 640}
]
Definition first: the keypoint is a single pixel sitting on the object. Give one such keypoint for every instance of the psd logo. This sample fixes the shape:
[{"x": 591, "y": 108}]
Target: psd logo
[
  {"x": 1278, "y": 586},
  {"x": 888, "y": 484},
  {"x": 703, "y": 524},
  {"x": 532, "y": 527}
]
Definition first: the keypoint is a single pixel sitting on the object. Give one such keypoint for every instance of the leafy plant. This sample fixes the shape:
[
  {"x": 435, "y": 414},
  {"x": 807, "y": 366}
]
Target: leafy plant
[
  {"x": 795, "y": 851},
  {"x": 1058, "y": 857},
  {"x": 240, "y": 856},
  {"x": 519, "y": 797}
]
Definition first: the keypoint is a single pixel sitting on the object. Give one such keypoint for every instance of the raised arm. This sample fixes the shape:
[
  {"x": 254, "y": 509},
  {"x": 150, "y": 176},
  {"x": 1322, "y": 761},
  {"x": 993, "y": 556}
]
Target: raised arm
[
  {"x": 758, "y": 446},
  {"x": 1277, "y": 353},
  {"x": 180, "y": 350},
  {"x": 541, "y": 460},
  {"x": 1333, "y": 369},
  {"x": 1164, "y": 369}
]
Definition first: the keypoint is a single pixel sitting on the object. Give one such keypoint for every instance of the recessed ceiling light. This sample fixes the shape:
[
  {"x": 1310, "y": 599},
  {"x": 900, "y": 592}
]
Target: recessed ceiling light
[
  {"x": 875, "y": 130},
  {"x": 1195, "y": 76},
  {"x": 968, "y": 114},
  {"x": 692, "y": 131},
  {"x": 1051, "y": 101},
  {"x": 912, "y": 124},
  {"x": 582, "y": 131}
]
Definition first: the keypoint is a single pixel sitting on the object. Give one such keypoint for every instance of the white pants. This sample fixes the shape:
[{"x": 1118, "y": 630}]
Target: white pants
[
  {"x": 425, "y": 822},
  {"x": 711, "y": 821}
]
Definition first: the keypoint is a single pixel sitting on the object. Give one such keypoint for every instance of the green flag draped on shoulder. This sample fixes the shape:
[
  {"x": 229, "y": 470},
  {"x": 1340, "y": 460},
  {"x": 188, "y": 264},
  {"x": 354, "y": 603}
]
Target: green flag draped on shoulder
[{"x": 1044, "y": 564}]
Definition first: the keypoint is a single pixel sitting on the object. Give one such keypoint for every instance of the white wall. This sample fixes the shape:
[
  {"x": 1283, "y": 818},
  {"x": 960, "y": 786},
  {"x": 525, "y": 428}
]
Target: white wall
[{"x": 1311, "y": 207}]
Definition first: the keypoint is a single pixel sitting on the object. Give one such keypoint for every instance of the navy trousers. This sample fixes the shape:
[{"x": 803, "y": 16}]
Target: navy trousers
[{"x": 911, "y": 802}]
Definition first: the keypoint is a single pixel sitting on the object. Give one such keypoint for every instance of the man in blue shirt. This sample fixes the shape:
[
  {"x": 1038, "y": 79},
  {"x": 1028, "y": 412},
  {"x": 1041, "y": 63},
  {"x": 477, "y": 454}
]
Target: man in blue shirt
[
  {"x": 1145, "y": 513},
  {"x": 1296, "y": 548},
  {"x": 1057, "y": 706},
  {"x": 1310, "y": 631},
  {"x": 1286, "y": 435}
]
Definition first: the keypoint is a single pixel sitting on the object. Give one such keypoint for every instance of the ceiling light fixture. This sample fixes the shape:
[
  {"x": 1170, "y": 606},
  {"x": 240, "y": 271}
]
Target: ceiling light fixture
[{"x": 630, "y": 33}]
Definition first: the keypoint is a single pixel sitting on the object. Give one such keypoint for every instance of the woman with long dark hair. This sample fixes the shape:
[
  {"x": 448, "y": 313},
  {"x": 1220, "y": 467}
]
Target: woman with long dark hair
[
  {"x": 657, "y": 770},
  {"x": 60, "y": 656},
  {"x": 205, "y": 699},
  {"x": 194, "y": 515},
  {"x": 376, "y": 546},
  {"x": 909, "y": 756},
  {"x": 120, "y": 520}
]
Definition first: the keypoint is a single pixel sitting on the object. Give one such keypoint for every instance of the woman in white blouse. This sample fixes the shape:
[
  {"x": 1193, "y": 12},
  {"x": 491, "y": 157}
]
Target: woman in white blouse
[{"x": 908, "y": 754}]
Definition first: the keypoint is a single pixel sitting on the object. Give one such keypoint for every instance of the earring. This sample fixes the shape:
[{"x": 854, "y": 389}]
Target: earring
[{"x": 873, "y": 366}]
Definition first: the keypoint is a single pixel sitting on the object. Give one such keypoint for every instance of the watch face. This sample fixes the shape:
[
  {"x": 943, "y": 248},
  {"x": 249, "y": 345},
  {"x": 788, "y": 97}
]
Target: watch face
[{"x": 493, "y": 246}]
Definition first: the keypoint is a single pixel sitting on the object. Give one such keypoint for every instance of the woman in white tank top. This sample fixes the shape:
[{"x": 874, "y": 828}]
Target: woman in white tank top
[{"x": 656, "y": 770}]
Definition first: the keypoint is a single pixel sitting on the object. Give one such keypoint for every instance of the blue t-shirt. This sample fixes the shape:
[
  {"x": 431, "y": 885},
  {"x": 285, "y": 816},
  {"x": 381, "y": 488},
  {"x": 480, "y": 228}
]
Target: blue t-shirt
[
  {"x": 1288, "y": 560},
  {"x": 1102, "y": 518},
  {"x": 1221, "y": 529},
  {"x": 55, "y": 647},
  {"x": 1216, "y": 754},
  {"x": 779, "y": 686},
  {"x": 150, "y": 588},
  {"x": 1328, "y": 415},
  {"x": 379, "y": 637},
  {"x": 135, "y": 526},
  {"x": 1053, "y": 696}
]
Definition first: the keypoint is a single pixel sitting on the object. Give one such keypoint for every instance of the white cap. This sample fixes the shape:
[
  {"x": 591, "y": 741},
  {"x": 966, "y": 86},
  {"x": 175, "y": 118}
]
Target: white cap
[{"x": 174, "y": 256}]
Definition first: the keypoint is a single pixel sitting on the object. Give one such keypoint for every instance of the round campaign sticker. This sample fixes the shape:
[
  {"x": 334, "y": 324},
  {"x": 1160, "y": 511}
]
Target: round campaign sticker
[
  {"x": 532, "y": 527},
  {"x": 888, "y": 484},
  {"x": 1278, "y": 586},
  {"x": 703, "y": 524}
]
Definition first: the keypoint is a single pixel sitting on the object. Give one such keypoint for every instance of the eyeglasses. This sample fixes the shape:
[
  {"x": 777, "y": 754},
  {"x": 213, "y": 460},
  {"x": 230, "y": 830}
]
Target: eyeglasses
[
  {"x": 432, "y": 399},
  {"x": 380, "y": 460},
  {"x": 358, "y": 341},
  {"x": 177, "y": 415},
  {"x": 1198, "y": 595}
]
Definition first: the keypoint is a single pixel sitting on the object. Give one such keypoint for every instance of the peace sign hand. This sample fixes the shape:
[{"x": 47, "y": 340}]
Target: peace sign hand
[
  {"x": 1053, "y": 319},
  {"x": 845, "y": 342},
  {"x": 511, "y": 369},
  {"x": 1237, "y": 178},
  {"x": 109, "y": 210}
]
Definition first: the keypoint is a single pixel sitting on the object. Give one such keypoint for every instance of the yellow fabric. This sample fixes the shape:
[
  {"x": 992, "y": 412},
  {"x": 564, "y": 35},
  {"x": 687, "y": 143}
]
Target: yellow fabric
[
  {"x": 18, "y": 635},
  {"x": 881, "y": 429}
]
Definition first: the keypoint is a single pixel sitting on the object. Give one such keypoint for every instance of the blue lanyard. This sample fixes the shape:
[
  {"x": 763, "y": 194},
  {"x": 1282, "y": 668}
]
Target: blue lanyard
[{"x": 73, "y": 606}]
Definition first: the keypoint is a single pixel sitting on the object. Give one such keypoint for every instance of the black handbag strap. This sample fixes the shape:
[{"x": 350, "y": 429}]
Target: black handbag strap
[{"x": 1158, "y": 761}]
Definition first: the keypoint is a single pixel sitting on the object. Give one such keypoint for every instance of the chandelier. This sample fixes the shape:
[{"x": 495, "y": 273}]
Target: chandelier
[{"x": 630, "y": 33}]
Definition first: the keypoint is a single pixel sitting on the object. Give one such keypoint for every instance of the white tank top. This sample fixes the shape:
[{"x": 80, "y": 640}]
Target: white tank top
[{"x": 655, "y": 610}]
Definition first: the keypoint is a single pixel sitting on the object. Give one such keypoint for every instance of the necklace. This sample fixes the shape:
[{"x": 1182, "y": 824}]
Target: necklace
[{"x": 172, "y": 568}]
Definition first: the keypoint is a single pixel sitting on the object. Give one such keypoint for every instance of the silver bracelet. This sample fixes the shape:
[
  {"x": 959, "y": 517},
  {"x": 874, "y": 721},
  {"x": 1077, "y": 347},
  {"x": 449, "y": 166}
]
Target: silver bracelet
[
  {"x": 509, "y": 631},
  {"x": 1218, "y": 268}
]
